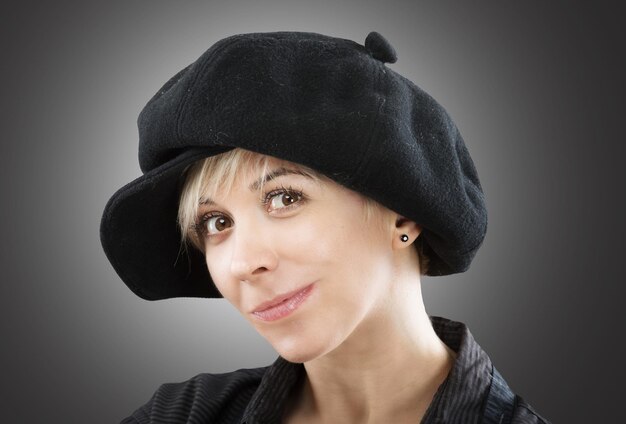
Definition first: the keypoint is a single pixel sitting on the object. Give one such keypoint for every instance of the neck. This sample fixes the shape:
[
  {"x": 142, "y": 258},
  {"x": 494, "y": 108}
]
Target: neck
[{"x": 387, "y": 371}]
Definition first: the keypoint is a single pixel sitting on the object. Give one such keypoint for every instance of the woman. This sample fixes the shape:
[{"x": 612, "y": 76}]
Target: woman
[{"x": 311, "y": 186}]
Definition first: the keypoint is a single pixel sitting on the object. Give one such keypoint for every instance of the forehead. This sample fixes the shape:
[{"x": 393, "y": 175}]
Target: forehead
[{"x": 249, "y": 173}]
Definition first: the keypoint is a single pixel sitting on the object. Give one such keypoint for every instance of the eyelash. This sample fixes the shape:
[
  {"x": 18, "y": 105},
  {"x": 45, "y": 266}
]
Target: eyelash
[
  {"x": 265, "y": 200},
  {"x": 201, "y": 227}
]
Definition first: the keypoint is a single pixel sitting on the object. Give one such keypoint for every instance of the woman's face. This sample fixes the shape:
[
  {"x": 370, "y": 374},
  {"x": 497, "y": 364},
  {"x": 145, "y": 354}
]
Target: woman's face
[{"x": 299, "y": 259}]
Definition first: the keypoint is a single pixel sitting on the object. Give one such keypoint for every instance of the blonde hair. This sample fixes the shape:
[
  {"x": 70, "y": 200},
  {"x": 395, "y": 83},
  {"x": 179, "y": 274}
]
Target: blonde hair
[{"x": 206, "y": 177}]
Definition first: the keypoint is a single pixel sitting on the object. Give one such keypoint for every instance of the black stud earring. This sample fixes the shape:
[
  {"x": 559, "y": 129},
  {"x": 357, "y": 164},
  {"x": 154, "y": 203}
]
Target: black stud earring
[{"x": 404, "y": 238}]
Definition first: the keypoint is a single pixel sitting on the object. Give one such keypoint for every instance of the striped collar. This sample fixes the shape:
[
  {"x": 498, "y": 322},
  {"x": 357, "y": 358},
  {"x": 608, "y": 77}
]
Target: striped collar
[{"x": 459, "y": 399}]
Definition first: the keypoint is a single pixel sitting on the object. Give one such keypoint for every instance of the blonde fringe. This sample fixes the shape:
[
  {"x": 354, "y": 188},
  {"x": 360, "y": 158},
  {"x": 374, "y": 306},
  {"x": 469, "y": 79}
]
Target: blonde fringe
[{"x": 206, "y": 178}]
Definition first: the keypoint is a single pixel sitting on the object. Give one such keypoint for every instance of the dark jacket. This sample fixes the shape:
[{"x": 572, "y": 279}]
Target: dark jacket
[{"x": 473, "y": 392}]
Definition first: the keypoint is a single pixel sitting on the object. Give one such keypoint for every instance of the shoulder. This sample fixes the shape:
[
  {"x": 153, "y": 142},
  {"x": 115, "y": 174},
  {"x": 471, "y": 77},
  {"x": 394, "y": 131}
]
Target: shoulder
[
  {"x": 525, "y": 414},
  {"x": 203, "y": 398}
]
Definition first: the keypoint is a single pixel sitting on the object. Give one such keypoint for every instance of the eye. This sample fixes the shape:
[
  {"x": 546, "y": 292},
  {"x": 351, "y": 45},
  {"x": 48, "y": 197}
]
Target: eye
[
  {"x": 215, "y": 224},
  {"x": 283, "y": 199}
]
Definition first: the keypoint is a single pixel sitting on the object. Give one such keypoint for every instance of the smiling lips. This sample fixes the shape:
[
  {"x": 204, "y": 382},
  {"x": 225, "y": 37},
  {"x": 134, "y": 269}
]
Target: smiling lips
[{"x": 282, "y": 305}]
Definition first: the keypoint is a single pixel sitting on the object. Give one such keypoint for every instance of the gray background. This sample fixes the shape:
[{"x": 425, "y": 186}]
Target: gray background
[{"x": 537, "y": 90}]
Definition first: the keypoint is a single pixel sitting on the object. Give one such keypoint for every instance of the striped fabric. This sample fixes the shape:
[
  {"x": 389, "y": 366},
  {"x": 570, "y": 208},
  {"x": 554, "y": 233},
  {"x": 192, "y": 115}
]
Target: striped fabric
[{"x": 259, "y": 395}]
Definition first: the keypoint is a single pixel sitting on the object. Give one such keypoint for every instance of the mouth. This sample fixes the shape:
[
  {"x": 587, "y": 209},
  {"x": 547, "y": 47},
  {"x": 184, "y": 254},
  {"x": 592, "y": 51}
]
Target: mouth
[{"x": 282, "y": 305}]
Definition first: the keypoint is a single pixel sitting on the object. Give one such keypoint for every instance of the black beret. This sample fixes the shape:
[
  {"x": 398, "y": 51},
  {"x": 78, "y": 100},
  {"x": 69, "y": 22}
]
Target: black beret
[{"x": 328, "y": 103}]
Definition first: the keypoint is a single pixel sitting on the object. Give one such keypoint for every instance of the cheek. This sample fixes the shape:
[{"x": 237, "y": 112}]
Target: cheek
[
  {"x": 342, "y": 237},
  {"x": 219, "y": 270},
  {"x": 316, "y": 240},
  {"x": 343, "y": 249}
]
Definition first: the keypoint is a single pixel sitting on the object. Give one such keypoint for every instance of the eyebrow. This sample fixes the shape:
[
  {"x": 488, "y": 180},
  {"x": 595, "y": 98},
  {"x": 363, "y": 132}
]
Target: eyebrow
[
  {"x": 278, "y": 172},
  {"x": 272, "y": 175}
]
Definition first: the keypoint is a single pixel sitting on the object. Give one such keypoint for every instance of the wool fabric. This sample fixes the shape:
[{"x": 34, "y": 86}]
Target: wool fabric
[{"x": 328, "y": 103}]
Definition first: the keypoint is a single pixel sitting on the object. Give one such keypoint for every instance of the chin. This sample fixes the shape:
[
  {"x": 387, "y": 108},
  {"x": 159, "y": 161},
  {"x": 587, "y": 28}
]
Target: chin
[{"x": 298, "y": 351}]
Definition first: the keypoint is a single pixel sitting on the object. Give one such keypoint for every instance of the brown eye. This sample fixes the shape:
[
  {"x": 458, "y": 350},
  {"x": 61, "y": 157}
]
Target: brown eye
[
  {"x": 284, "y": 199},
  {"x": 216, "y": 224}
]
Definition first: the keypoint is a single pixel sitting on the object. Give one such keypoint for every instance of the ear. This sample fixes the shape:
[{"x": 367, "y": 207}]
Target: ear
[{"x": 405, "y": 227}]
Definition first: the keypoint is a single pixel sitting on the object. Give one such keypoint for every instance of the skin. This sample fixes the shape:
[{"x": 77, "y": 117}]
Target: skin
[{"x": 363, "y": 334}]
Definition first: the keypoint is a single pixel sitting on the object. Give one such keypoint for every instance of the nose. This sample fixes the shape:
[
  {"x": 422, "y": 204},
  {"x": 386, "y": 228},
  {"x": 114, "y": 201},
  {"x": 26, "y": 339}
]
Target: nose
[{"x": 253, "y": 256}]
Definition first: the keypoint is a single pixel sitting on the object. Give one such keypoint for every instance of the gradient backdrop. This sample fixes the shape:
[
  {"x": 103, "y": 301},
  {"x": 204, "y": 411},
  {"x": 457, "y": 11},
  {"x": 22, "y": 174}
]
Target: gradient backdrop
[{"x": 536, "y": 89}]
